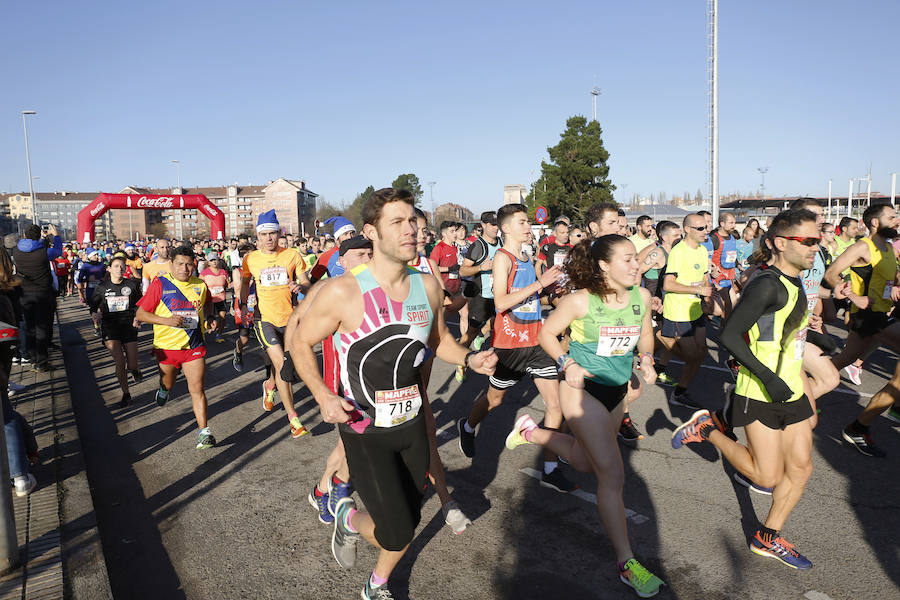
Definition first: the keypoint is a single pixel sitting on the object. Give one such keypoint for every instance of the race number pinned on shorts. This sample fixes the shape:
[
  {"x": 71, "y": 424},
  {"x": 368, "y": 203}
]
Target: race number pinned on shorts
[
  {"x": 189, "y": 318},
  {"x": 273, "y": 276},
  {"x": 617, "y": 341},
  {"x": 117, "y": 303},
  {"x": 800, "y": 344},
  {"x": 393, "y": 407}
]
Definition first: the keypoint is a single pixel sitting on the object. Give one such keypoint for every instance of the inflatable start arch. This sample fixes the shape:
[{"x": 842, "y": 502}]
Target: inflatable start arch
[{"x": 102, "y": 203}]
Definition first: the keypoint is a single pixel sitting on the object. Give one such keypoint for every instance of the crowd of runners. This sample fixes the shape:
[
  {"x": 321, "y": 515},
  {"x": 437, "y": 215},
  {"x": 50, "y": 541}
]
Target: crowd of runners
[{"x": 591, "y": 312}]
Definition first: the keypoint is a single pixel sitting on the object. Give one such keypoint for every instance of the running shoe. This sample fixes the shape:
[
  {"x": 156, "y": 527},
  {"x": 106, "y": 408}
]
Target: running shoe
[
  {"x": 343, "y": 541},
  {"x": 765, "y": 491},
  {"x": 466, "y": 439},
  {"x": 162, "y": 397},
  {"x": 268, "y": 398},
  {"x": 297, "y": 428},
  {"x": 24, "y": 485},
  {"x": 644, "y": 583},
  {"x": 320, "y": 503},
  {"x": 43, "y": 367},
  {"x": 337, "y": 492},
  {"x": 689, "y": 432},
  {"x": 628, "y": 432},
  {"x": 684, "y": 399},
  {"x": 455, "y": 518},
  {"x": 460, "y": 373},
  {"x": 24, "y": 360},
  {"x": 137, "y": 376},
  {"x": 555, "y": 480},
  {"x": 477, "y": 343},
  {"x": 515, "y": 437},
  {"x": 862, "y": 442},
  {"x": 665, "y": 379},
  {"x": 853, "y": 374},
  {"x": 205, "y": 439},
  {"x": 369, "y": 592},
  {"x": 780, "y": 549},
  {"x": 125, "y": 401},
  {"x": 893, "y": 414},
  {"x": 237, "y": 361},
  {"x": 12, "y": 386}
]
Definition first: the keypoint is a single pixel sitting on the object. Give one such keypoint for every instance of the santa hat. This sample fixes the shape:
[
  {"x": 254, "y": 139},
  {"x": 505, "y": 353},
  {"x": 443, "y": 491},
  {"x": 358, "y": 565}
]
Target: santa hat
[
  {"x": 267, "y": 221},
  {"x": 341, "y": 225}
]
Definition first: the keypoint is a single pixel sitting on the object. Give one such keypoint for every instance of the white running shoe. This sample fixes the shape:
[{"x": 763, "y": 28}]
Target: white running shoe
[
  {"x": 455, "y": 518},
  {"x": 853, "y": 374},
  {"x": 25, "y": 485}
]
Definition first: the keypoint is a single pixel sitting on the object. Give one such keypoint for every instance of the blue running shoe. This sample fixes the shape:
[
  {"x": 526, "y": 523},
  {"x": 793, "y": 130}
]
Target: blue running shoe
[
  {"x": 689, "y": 432},
  {"x": 780, "y": 549},
  {"x": 343, "y": 540},
  {"x": 765, "y": 491},
  {"x": 320, "y": 503},
  {"x": 375, "y": 593},
  {"x": 337, "y": 492}
]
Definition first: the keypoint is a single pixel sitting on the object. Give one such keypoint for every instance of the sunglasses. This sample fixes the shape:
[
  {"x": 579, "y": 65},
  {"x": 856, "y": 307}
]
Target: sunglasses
[
  {"x": 698, "y": 228},
  {"x": 578, "y": 235},
  {"x": 806, "y": 241}
]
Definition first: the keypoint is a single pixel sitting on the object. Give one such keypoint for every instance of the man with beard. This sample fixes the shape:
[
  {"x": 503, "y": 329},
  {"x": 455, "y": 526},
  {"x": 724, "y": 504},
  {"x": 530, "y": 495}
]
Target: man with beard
[{"x": 874, "y": 290}]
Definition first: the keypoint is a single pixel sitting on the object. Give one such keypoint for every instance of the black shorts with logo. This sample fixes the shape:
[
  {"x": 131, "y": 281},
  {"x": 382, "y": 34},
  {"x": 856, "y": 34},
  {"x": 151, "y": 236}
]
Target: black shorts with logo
[
  {"x": 610, "y": 396},
  {"x": 774, "y": 415},
  {"x": 515, "y": 363},
  {"x": 481, "y": 310},
  {"x": 268, "y": 334},
  {"x": 118, "y": 331}
]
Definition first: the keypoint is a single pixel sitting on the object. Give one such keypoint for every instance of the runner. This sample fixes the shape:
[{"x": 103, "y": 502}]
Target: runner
[
  {"x": 385, "y": 439},
  {"x": 275, "y": 271},
  {"x": 687, "y": 288},
  {"x": 478, "y": 265},
  {"x": 133, "y": 261},
  {"x": 875, "y": 289},
  {"x": 553, "y": 253},
  {"x": 216, "y": 279},
  {"x": 724, "y": 259},
  {"x": 644, "y": 235},
  {"x": 160, "y": 265},
  {"x": 602, "y": 219},
  {"x": 516, "y": 296},
  {"x": 243, "y": 317},
  {"x": 766, "y": 333},
  {"x": 609, "y": 314},
  {"x": 176, "y": 305},
  {"x": 113, "y": 306},
  {"x": 90, "y": 273},
  {"x": 327, "y": 263},
  {"x": 446, "y": 256}
]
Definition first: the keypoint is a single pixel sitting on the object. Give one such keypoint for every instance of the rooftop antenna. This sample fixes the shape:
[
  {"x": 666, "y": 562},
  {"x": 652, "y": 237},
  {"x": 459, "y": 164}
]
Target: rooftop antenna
[
  {"x": 762, "y": 186},
  {"x": 595, "y": 91},
  {"x": 431, "y": 185}
]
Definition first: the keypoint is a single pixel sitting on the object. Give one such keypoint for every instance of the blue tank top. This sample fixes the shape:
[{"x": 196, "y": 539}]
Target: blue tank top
[
  {"x": 518, "y": 327},
  {"x": 380, "y": 360},
  {"x": 812, "y": 279}
]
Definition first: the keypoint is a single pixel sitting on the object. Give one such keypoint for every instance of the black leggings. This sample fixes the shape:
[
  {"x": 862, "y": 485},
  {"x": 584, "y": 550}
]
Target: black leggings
[{"x": 389, "y": 468}]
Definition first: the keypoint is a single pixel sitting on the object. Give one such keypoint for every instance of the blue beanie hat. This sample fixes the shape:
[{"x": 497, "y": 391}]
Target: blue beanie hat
[
  {"x": 341, "y": 225},
  {"x": 267, "y": 221}
]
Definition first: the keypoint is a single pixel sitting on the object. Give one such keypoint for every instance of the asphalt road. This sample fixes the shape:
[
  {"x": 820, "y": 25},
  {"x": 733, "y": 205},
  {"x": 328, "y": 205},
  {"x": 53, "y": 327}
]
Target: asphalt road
[{"x": 233, "y": 521}]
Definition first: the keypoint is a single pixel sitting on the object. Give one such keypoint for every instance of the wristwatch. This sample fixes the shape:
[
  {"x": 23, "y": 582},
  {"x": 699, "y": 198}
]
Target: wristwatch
[{"x": 561, "y": 362}]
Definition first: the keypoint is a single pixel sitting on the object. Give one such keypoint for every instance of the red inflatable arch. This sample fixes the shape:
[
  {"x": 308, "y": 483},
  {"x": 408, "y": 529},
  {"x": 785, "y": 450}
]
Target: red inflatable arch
[{"x": 104, "y": 202}]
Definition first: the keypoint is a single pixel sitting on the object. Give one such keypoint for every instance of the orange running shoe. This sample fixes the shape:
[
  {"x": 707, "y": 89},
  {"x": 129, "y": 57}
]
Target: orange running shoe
[
  {"x": 297, "y": 428},
  {"x": 268, "y": 398}
]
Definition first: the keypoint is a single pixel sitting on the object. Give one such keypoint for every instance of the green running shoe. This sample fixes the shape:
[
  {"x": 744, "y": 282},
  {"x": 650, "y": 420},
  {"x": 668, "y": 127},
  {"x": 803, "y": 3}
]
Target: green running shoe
[
  {"x": 644, "y": 583},
  {"x": 477, "y": 343},
  {"x": 664, "y": 379},
  {"x": 460, "y": 373},
  {"x": 205, "y": 439},
  {"x": 515, "y": 437}
]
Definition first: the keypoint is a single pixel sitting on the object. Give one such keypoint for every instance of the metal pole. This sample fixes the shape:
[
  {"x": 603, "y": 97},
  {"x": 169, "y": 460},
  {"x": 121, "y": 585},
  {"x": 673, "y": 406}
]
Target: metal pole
[
  {"x": 850, "y": 198},
  {"x": 829, "y": 198},
  {"x": 715, "y": 112},
  {"x": 9, "y": 543},
  {"x": 28, "y": 162}
]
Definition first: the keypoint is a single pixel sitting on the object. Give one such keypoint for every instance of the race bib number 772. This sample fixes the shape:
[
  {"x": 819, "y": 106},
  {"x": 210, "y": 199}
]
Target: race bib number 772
[{"x": 617, "y": 341}]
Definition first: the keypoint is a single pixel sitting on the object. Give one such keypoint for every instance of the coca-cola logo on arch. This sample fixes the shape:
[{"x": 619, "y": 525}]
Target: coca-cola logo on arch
[
  {"x": 97, "y": 209},
  {"x": 161, "y": 202}
]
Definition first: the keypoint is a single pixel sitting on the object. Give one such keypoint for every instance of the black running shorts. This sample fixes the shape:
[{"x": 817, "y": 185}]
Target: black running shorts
[
  {"x": 677, "y": 329},
  {"x": 220, "y": 307},
  {"x": 609, "y": 396},
  {"x": 481, "y": 310},
  {"x": 515, "y": 363},
  {"x": 867, "y": 322},
  {"x": 118, "y": 332},
  {"x": 389, "y": 468},
  {"x": 773, "y": 415},
  {"x": 268, "y": 334}
]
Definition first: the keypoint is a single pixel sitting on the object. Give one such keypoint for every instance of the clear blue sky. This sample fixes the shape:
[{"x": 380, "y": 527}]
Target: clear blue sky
[{"x": 466, "y": 94}]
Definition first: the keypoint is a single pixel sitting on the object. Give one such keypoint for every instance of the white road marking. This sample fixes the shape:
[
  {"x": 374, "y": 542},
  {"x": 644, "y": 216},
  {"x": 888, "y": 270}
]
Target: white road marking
[
  {"x": 814, "y": 595},
  {"x": 632, "y": 516}
]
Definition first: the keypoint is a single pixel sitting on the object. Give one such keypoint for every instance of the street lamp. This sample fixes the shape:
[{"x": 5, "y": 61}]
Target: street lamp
[
  {"x": 178, "y": 172},
  {"x": 25, "y": 113}
]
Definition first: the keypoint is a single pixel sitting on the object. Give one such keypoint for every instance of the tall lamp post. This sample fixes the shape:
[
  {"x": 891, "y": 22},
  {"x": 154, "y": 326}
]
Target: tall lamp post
[
  {"x": 431, "y": 194},
  {"x": 178, "y": 173},
  {"x": 25, "y": 113}
]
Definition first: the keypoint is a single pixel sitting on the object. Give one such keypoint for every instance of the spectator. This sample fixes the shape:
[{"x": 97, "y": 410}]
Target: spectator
[{"x": 32, "y": 256}]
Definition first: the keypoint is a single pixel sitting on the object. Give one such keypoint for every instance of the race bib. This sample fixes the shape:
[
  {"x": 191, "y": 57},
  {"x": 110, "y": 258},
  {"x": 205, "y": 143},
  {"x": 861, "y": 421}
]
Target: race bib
[
  {"x": 394, "y": 407},
  {"x": 273, "y": 276},
  {"x": 452, "y": 275},
  {"x": 190, "y": 318},
  {"x": 529, "y": 306},
  {"x": 888, "y": 289},
  {"x": 731, "y": 256},
  {"x": 117, "y": 303},
  {"x": 800, "y": 344},
  {"x": 559, "y": 258},
  {"x": 216, "y": 290},
  {"x": 251, "y": 301},
  {"x": 617, "y": 341},
  {"x": 811, "y": 303}
]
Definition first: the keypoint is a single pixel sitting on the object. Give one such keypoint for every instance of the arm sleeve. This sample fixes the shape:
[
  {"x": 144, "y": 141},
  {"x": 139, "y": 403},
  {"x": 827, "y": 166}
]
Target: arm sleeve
[
  {"x": 763, "y": 295},
  {"x": 152, "y": 296},
  {"x": 476, "y": 252}
]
